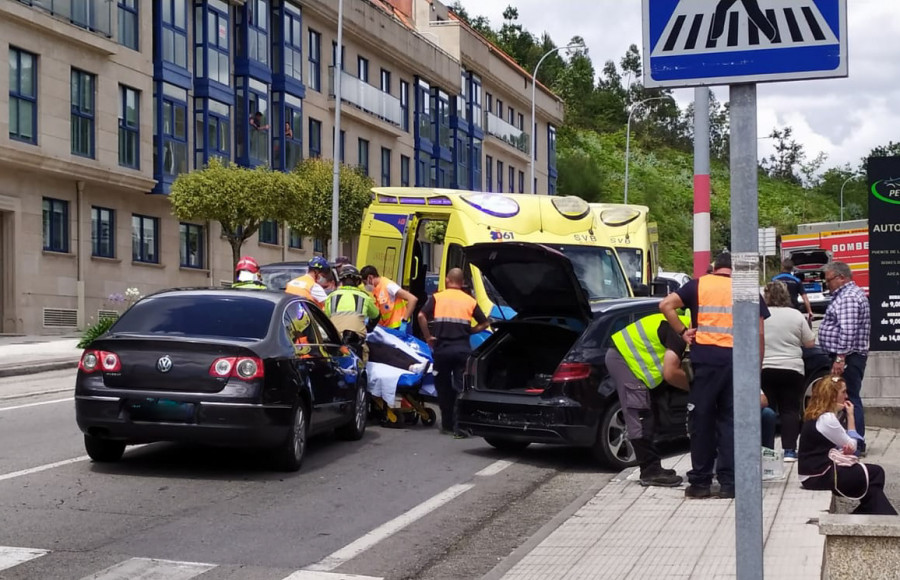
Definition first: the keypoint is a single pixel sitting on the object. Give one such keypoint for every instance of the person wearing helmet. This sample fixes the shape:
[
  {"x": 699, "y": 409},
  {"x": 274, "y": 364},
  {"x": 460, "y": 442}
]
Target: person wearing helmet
[
  {"x": 351, "y": 308},
  {"x": 308, "y": 285},
  {"x": 247, "y": 274},
  {"x": 298, "y": 326},
  {"x": 395, "y": 304}
]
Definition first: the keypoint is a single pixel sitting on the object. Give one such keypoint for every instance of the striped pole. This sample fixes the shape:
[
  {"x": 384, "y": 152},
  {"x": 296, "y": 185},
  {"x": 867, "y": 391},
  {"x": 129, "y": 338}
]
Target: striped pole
[{"x": 701, "y": 181}]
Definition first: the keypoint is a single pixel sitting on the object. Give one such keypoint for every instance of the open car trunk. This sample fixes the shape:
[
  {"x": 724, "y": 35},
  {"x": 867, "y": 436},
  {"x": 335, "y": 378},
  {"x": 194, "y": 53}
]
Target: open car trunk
[{"x": 522, "y": 356}]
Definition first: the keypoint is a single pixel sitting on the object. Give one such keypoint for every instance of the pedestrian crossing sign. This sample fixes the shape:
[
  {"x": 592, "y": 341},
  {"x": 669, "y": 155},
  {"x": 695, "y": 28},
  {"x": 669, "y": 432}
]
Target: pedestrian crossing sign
[{"x": 717, "y": 42}]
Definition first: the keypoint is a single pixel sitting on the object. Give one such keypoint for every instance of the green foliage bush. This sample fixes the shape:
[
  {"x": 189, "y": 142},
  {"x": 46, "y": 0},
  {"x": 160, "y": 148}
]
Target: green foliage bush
[{"x": 96, "y": 330}]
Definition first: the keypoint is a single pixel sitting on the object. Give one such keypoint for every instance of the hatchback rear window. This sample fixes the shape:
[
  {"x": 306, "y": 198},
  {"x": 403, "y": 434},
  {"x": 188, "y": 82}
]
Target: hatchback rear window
[{"x": 225, "y": 316}]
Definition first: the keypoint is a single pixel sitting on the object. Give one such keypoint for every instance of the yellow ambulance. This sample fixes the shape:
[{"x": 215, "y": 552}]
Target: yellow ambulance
[{"x": 627, "y": 228}]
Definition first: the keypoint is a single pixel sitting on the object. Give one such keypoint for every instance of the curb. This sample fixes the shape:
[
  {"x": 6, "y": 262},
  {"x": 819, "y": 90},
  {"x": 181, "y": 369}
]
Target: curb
[
  {"x": 37, "y": 367},
  {"x": 498, "y": 571}
]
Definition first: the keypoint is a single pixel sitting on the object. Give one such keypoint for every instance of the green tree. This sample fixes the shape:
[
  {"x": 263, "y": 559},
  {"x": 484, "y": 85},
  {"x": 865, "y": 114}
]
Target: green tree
[
  {"x": 313, "y": 182},
  {"x": 236, "y": 197},
  {"x": 435, "y": 230}
]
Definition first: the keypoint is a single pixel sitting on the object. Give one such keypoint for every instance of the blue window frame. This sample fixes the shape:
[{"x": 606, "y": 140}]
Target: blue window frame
[
  {"x": 289, "y": 57},
  {"x": 385, "y": 81},
  {"x": 82, "y": 119},
  {"x": 499, "y": 176},
  {"x": 362, "y": 151},
  {"x": 512, "y": 179},
  {"x": 295, "y": 239},
  {"x": 289, "y": 132},
  {"x": 314, "y": 78},
  {"x": 318, "y": 246},
  {"x": 212, "y": 131},
  {"x": 440, "y": 117},
  {"x": 489, "y": 173},
  {"x": 103, "y": 232},
  {"x": 385, "y": 167},
  {"x": 56, "y": 224},
  {"x": 461, "y": 154},
  {"x": 258, "y": 31},
  {"x": 170, "y": 139},
  {"x": 404, "y": 105},
  {"x": 211, "y": 42},
  {"x": 268, "y": 232},
  {"x": 127, "y": 32},
  {"x": 424, "y": 122},
  {"x": 477, "y": 115},
  {"x": 551, "y": 147},
  {"x": 129, "y": 127},
  {"x": 190, "y": 245},
  {"x": 253, "y": 133},
  {"x": 424, "y": 169},
  {"x": 22, "y": 96},
  {"x": 362, "y": 69},
  {"x": 315, "y": 138},
  {"x": 475, "y": 162},
  {"x": 404, "y": 171},
  {"x": 551, "y": 186},
  {"x": 144, "y": 239},
  {"x": 174, "y": 32},
  {"x": 521, "y": 182}
]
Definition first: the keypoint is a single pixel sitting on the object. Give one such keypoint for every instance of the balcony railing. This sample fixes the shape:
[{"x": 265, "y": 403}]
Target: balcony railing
[
  {"x": 93, "y": 15},
  {"x": 368, "y": 98},
  {"x": 507, "y": 132}
]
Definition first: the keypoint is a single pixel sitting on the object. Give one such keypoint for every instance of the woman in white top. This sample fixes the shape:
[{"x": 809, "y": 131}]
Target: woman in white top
[{"x": 787, "y": 332}]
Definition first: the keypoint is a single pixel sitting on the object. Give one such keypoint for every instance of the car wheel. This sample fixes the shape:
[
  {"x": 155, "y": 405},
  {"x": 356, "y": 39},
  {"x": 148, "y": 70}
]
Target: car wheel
[
  {"x": 289, "y": 456},
  {"x": 612, "y": 446},
  {"x": 103, "y": 450},
  {"x": 509, "y": 445},
  {"x": 356, "y": 428}
]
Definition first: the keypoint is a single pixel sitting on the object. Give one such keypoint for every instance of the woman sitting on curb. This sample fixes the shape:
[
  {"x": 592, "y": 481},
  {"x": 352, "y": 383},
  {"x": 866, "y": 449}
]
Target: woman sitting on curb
[{"x": 827, "y": 457}]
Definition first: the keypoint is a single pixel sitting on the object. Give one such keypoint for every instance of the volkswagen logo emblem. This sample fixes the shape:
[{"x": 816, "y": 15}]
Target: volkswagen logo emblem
[{"x": 164, "y": 364}]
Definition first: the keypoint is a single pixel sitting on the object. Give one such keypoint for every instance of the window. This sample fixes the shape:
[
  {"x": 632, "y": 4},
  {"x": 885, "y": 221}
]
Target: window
[
  {"x": 510, "y": 115},
  {"x": 551, "y": 146},
  {"x": 129, "y": 128},
  {"x": 475, "y": 163},
  {"x": 128, "y": 23},
  {"x": 499, "y": 176},
  {"x": 424, "y": 169},
  {"x": 363, "y": 156},
  {"x": 404, "y": 171},
  {"x": 462, "y": 99},
  {"x": 293, "y": 132},
  {"x": 174, "y": 33},
  {"x": 56, "y": 225},
  {"x": 212, "y": 131},
  {"x": 295, "y": 240},
  {"x": 521, "y": 182},
  {"x": 475, "y": 99},
  {"x": 103, "y": 232},
  {"x": 342, "y": 148},
  {"x": 82, "y": 123},
  {"x": 190, "y": 245},
  {"x": 211, "y": 49},
  {"x": 268, "y": 232},
  {"x": 253, "y": 134},
  {"x": 174, "y": 131},
  {"x": 385, "y": 167},
  {"x": 385, "y": 81},
  {"x": 292, "y": 38},
  {"x": 488, "y": 102},
  {"x": 22, "y": 96},
  {"x": 144, "y": 239},
  {"x": 499, "y": 108},
  {"x": 258, "y": 33},
  {"x": 362, "y": 69},
  {"x": 441, "y": 113},
  {"x": 318, "y": 246},
  {"x": 404, "y": 105},
  {"x": 461, "y": 154},
  {"x": 424, "y": 124},
  {"x": 334, "y": 54},
  {"x": 314, "y": 79},
  {"x": 512, "y": 179},
  {"x": 489, "y": 172},
  {"x": 315, "y": 138},
  {"x": 521, "y": 124}
]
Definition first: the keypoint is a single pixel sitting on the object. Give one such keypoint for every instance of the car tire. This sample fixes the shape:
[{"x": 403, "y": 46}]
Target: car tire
[
  {"x": 289, "y": 455},
  {"x": 356, "y": 428},
  {"x": 612, "y": 446},
  {"x": 103, "y": 450},
  {"x": 508, "y": 445}
]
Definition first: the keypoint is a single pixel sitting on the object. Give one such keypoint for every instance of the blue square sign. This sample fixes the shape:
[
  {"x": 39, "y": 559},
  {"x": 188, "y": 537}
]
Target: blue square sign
[{"x": 717, "y": 42}]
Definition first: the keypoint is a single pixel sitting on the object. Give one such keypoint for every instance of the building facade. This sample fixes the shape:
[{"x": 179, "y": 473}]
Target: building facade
[{"x": 104, "y": 103}]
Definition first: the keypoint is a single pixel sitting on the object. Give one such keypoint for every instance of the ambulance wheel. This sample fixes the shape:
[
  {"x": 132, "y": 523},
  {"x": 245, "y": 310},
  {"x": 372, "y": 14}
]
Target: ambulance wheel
[{"x": 431, "y": 419}]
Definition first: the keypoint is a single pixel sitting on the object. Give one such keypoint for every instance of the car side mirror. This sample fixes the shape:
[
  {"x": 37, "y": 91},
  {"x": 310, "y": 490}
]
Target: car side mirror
[{"x": 640, "y": 289}]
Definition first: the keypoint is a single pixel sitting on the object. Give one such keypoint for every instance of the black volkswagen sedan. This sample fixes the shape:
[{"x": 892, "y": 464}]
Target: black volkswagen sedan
[
  {"x": 541, "y": 377},
  {"x": 220, "y": 367}
]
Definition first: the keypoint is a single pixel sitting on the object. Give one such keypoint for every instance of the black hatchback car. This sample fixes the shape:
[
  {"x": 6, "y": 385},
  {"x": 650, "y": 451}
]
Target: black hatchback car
[
  {"x": 221, "y": 367},
  {"x": 541, "y": 377}
]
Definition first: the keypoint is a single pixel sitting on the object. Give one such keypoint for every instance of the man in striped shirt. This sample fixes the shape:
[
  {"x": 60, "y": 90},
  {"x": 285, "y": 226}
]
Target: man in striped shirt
[{"x": 844, "y": 334}]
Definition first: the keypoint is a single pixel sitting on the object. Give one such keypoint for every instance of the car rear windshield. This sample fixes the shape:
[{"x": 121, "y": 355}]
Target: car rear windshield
[
  {"x": 597, "y": 269},
  {"x": 202, "y": 315}
]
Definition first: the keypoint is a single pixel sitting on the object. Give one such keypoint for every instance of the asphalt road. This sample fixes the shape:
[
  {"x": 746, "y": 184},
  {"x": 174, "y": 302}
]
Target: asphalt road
[{"x": 401, "y": 503}]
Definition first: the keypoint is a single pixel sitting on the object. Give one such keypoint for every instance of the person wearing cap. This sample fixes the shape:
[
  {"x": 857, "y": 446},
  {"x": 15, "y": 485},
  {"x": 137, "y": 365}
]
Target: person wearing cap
[
  {"x": 247, "y": 274},
  {"x": 308, "y": 285},
  {"x": 350, "y": 308},
  {"x": 395, "y": 304}
]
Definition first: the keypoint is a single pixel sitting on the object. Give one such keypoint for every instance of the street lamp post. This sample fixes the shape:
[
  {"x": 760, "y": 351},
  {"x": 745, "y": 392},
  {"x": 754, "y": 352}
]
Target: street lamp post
[
  {"x": 634, "y": 107},
  {"x": 336, "y": 167},
  {"x": 533, "y": 124},
  {"x": 846, "y": 181}
]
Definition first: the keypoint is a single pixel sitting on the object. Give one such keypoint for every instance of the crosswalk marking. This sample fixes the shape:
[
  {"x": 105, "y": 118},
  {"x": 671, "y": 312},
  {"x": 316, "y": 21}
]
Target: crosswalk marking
[
  {"x": 316, "y": 575},
  {"x": 151, "y": 569},
  {"x": 11, "y": 556}
]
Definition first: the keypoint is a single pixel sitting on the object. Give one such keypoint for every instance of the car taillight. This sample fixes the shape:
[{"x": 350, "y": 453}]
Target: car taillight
[
  {"x": 242, "y": 367},
  {"x": 94, "y": 360},
  {"x": 571, "y": 371}
]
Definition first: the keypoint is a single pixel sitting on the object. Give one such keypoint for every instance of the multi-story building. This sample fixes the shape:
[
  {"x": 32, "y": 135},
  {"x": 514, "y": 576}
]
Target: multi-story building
[{"x": 106, "y": 102}]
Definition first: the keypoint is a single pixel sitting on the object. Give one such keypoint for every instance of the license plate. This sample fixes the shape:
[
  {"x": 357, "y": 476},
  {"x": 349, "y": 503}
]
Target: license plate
[{"x": 166, "y": 410}]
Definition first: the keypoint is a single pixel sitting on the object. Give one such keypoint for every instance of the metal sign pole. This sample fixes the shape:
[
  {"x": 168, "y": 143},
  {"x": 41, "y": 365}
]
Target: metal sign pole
[{"x": 745, "y": 328}]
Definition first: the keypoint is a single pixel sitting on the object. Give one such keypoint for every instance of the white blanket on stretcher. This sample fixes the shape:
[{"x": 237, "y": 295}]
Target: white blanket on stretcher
[{"x": 384, "y": 378}]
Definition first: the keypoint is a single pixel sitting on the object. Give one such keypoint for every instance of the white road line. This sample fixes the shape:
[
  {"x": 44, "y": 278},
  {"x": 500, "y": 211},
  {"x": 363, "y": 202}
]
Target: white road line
[
  {"x": 314, "y": 575},
  {"x": 11, "y": 556},
  {"x": 41, "y": 468},
  {"x": 389, "y": 528},
  {"x": 494, "y": 468},
  {"x": 151, "y": 569},
  {"x": 37, "y": 404}
]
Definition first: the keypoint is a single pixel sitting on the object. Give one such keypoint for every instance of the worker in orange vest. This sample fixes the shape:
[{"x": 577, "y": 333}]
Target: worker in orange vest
[
  {"x": 395, "y": 304},
  {"x": 452, "y": 311},
  {"x": 308, "y": 285}
]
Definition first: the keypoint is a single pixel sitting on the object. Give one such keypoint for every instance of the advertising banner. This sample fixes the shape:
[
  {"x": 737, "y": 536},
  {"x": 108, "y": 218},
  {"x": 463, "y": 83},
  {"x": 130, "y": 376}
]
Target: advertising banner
[{"x": 884, "y": 252}]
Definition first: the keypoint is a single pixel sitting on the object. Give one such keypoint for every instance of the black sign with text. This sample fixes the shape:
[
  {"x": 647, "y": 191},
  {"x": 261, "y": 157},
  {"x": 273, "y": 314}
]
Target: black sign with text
[{"x": 884, "y": 251}]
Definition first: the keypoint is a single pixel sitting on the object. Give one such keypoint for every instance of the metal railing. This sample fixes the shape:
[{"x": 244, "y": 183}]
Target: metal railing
[
  {"x": 93, "y": 15},
  {"x": 368, "y": 98},
  {"x": 507, "y": 132}
]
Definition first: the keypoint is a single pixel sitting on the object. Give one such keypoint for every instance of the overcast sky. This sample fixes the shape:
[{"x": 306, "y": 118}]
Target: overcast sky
[{"x": 844, "y": 118}]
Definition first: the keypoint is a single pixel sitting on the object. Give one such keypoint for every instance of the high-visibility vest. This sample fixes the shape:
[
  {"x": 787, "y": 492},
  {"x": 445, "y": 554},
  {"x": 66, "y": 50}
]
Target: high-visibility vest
[
  {"x": 453, "y": 306},
  {"x": 391, "y": 309},
  {"x": 302, "y": 286},
  {"x": 639, "y": 345},
  {"x": 250, "y": 285},
  {"x": 351, "y": 300},
  {"x": 714, "y": 322}
]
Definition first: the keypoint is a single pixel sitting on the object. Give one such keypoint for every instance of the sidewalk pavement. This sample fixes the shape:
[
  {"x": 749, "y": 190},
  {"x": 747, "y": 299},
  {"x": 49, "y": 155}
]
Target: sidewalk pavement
[{"x": 24, "y": 355}]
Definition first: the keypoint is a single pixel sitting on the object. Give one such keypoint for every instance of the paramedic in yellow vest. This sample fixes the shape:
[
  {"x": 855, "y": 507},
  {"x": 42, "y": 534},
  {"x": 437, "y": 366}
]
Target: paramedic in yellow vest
[
  {"x": 350, "y": 308},
  {"x": 452, "y": 312},
  {"x": 711, "y": 399},
  {"x": 308, "y": 285},
  {"x": 638, "y": 363},
  {"x": 395, "y": 304}
]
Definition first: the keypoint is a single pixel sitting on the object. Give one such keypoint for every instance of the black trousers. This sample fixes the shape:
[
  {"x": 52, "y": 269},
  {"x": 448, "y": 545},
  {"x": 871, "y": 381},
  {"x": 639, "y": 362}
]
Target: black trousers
[
  {"x": 851, "y": 481},
  {"x": 449, "y": 365},
  {"x": 784, "y": 389},
  {"x": 711, "y": 408}
]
